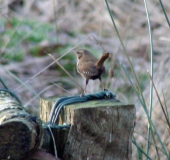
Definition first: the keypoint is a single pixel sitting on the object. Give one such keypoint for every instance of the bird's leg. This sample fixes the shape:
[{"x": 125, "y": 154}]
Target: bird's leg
[
  {"x": 85, "y": 89},
  {"x": 101, "y": 83},
  {"x": 86, "y": 86}
]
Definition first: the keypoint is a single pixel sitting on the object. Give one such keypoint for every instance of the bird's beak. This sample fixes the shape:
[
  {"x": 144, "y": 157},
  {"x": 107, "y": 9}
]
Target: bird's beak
[{"x": 75, "y": 52}]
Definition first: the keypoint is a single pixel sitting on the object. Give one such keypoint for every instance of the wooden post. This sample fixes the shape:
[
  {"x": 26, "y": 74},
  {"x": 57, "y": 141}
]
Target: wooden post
[
  {"x": 100, "y": 129},
  {"x": 20, "y": 132}
]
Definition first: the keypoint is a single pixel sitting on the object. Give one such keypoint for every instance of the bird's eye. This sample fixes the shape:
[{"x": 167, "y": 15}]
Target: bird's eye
[{"x": 79, "y": 52}]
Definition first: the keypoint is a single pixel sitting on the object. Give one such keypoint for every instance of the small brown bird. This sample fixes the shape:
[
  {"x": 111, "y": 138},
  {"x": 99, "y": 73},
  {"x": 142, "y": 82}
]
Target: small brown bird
[{"x": 89, "y": 66}]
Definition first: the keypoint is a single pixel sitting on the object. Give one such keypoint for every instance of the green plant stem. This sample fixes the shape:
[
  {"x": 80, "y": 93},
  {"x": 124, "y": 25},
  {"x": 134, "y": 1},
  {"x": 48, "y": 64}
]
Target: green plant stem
[
  {"x": 56, "y": 21},
  {"x": 139, "y": 148},
  {"x": 13, "y": 33},
  {"x": 166, "y": 107},
  {"x": 152, "y": 126},
  {"x": 3, "y": 83},
  {"x": 15, "y": 77},
  {"x": 151, "y": 86},
  {"x": 164, "y": 12},
  {"x": 164, "y": 112},
  {"x": 154, "y": 144},
  {"x": 125, "y": 53}
]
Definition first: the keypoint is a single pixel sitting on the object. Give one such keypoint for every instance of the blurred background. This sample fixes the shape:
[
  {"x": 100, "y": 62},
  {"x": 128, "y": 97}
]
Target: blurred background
[{"x": 30, "y": 29}]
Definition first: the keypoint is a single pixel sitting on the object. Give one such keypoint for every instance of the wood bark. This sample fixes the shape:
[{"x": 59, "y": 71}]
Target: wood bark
[
  {"x": 100, "y": 129},
  {"x": 20, "y": 132},
  {"x": 60, "y": 134}
]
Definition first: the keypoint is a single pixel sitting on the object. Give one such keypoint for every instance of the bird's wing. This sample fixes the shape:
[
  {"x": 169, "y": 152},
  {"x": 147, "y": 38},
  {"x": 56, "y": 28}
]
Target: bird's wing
[{"x": 88, "y": 68}]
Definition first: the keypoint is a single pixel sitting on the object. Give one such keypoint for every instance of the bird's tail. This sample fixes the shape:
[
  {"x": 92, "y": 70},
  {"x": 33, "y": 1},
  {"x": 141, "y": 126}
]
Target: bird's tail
[{"x": 102, "y": 59}]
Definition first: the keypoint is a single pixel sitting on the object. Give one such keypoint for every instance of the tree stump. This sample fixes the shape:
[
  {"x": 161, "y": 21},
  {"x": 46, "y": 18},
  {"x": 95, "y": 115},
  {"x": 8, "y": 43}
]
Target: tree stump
[
  {"x": 20, "y": 132},
  {"x": 100, "y": 129}
]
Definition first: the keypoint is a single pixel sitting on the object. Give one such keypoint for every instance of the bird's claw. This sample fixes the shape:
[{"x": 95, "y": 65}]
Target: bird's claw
[{"x": 82, "y": 95}]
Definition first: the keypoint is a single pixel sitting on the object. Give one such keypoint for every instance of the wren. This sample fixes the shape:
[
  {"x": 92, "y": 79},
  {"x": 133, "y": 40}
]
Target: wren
[{"x": 89, "y": 66}]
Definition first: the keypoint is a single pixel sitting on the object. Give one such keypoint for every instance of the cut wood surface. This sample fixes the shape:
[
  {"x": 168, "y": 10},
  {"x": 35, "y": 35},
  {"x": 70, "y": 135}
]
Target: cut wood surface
[
  {"x": 46, "y": 105},
  {"x": 20, "y": 132},
  {"x": 100, "y": 129}
]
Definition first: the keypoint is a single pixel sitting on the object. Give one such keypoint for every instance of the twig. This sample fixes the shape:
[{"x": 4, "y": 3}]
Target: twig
[
  {"x": 62, "y": 88},
  {"x": 159, "y": 99},
  {"x": 64, "y": 70},
  {"x": 52, "y": 63}
]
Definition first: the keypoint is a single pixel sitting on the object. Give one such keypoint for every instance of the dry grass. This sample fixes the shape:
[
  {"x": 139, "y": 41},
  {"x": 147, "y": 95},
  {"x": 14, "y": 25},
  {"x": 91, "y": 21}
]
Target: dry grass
[{"x": 85, "y": 18}]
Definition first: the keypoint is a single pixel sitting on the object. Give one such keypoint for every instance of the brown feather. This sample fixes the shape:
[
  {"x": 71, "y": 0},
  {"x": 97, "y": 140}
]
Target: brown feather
[{"x": 102, "y": 59}]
